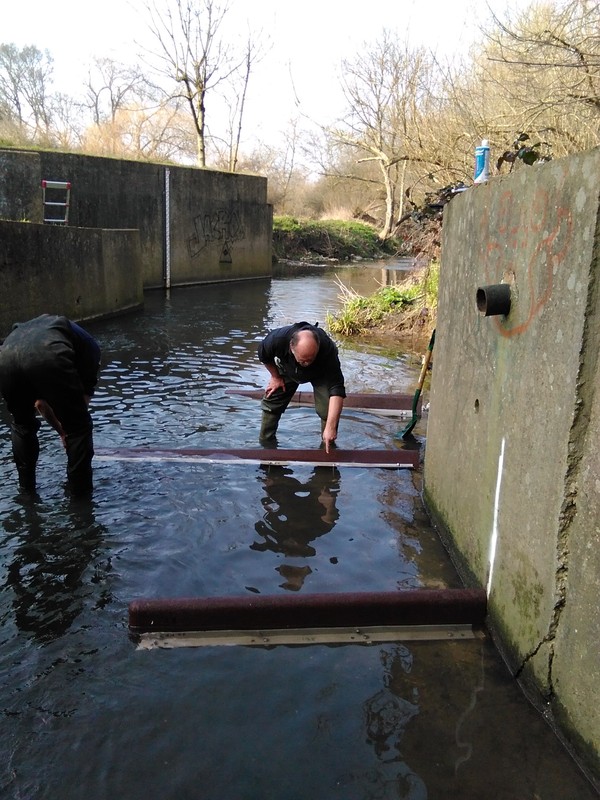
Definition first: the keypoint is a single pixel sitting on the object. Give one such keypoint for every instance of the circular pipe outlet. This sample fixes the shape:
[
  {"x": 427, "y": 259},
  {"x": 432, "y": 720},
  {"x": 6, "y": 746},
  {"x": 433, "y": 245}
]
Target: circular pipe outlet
[{"x": 493, "y": 300}]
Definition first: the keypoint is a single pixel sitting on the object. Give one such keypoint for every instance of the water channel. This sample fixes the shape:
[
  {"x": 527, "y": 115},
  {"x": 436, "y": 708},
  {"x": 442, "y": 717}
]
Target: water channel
[{"x": 87, "y": 714}]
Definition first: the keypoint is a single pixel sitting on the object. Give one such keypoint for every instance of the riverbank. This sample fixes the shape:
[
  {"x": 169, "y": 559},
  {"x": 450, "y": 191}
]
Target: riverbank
[
  {"x": 328, "y": 241},
  {"x": 316, "y": 241},
  {"x": 405, "y": 312}
]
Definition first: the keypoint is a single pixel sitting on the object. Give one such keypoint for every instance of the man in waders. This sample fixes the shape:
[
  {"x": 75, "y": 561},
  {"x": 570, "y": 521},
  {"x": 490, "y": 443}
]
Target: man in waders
[
  {"x": 295, "y": 354},
  {"x": 50, "y": 365}
]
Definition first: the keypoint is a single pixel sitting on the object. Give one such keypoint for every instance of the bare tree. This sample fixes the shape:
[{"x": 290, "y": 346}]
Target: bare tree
[
  {"x": 111, "y": 86},
  {"x": 541, "y": 74},
  {"x": 25, "y": 80},
  {"x": 139, "y": 132},
  {"x": 534, "y": 78},
  {"x": 387, "y": 89},
  {"x": 68, "y": 122},
  {"x": 193, "y": 55},
  {"x": 236, "y": 93}
]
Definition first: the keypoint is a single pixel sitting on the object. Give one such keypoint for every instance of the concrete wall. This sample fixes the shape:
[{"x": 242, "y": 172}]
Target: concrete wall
[
  {"x": 512, "y": 472},
  {"x": 78, "y": 272},
  {"x": 219, "y": 225}
]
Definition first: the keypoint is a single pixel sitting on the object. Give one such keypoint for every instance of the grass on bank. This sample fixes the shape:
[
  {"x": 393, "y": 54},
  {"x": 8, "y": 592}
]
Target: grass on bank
[
  {"x": 404, "y": 308},
  {"x": 410, "y": 304},
  {"x": 341, "y": 240}
]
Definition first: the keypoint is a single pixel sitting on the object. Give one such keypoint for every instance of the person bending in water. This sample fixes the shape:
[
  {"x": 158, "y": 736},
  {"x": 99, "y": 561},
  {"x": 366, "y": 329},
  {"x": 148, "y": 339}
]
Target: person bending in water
[
  {"x": 50, "y": 365},
  {"x": 295, "y": 354}
]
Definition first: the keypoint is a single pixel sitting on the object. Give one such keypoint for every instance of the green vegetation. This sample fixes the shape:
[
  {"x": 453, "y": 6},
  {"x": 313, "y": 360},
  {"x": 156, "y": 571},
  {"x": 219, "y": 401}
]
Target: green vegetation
[
  {"x": 430, "y": 283},
  {"x": 403, "y": 307},
  {"x": 328, "y": 239},
  {"x": 400, "y": 308},
  {"x": 360, "y": 312}
]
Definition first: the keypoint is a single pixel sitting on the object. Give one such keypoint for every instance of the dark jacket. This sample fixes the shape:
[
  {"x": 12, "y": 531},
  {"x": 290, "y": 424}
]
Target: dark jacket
[
  {"x": 87, "y": 357},
  {"x": 325, "y": 369},
  {"x": 51, "y": 338}
]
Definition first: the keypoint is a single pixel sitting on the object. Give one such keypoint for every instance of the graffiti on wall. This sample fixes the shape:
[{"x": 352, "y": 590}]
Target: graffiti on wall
[
  {"x": 223, "y": 226},
  {"x": 526, "y": 244}
]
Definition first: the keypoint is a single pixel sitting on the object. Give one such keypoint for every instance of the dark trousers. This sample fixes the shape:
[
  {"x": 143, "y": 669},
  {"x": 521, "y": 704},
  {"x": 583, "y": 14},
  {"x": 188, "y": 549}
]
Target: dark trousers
[
  {"x": 274, "y": 406},
  {"x": 79, "y": 447}
]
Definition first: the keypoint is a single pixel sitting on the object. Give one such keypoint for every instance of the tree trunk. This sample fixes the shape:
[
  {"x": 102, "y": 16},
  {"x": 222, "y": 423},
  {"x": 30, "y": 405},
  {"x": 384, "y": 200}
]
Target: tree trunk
[
  {"x": 201, "y": 139},
  {"x": 390, "y": 201}
]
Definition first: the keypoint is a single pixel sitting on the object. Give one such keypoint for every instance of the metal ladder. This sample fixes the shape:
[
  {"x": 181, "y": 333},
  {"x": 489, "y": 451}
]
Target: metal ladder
[{"x": 55, "y": 197}]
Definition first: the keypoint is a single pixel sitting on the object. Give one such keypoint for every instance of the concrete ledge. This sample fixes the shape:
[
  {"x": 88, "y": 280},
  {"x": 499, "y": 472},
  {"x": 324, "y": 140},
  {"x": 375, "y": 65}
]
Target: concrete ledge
[{"x": 82, "y": 273}]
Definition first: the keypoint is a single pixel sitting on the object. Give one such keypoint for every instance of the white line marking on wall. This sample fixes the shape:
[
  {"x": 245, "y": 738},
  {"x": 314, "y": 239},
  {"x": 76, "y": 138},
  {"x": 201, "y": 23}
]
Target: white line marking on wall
[
  {"x": 167, "y": 228},
  {"x": 494, "y": 538}
]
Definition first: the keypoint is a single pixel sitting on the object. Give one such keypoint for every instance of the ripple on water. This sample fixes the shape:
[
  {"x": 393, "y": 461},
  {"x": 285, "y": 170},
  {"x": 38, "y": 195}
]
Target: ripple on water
[{"x": 337, "y": 722}]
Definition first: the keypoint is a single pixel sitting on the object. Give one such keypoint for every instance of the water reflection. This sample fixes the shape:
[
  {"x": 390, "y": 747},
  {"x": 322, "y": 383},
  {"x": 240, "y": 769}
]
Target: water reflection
[
  {"x": 387, "y": 716},
  {"x": 346, "y": 723},
  {"x": 295, "y": 514},
  {"x": 49, "y": 560}
]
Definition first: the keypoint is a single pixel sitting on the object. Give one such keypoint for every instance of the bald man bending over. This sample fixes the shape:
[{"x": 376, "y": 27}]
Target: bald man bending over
[{"x": 295, "y": 354}]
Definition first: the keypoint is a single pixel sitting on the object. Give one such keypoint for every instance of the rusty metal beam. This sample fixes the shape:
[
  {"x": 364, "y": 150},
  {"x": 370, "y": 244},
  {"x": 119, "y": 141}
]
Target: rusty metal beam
[
  {"x": 385, "y": 459},
  {"x": 358, "y": 400},
  {"x": 281, "y": 612}
]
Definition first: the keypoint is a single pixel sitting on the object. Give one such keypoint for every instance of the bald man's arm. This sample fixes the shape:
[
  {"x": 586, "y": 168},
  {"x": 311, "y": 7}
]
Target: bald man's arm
[{"x": 334, "y": 412}]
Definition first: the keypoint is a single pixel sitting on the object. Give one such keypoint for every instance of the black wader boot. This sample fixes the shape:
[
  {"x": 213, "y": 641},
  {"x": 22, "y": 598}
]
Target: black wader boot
[
  {"x": 80, "y": 450},
  {"x": 26, "y": 449},
  {"x": 268, "y": 427}
]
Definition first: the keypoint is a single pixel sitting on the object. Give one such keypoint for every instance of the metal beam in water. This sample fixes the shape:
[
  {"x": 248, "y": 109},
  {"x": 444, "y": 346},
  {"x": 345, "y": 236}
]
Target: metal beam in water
[
  {"x": 383, "y": 459},
  {"x": 305, "y": 636},
  {"x": 359, "y": 617},
  {"x": 397, "y": 405}
]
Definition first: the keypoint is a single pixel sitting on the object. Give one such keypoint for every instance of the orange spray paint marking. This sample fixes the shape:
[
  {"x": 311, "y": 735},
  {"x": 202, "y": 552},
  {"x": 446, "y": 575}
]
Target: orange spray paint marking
[{"x": 510, "y": 234}]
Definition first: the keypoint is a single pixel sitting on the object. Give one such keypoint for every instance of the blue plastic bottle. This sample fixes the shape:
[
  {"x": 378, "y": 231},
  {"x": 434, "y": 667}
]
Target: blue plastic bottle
[{"x": 482, "y": 162}]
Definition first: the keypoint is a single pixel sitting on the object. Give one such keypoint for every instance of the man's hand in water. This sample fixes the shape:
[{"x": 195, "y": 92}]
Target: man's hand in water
[{"x": 329, "y": 436}]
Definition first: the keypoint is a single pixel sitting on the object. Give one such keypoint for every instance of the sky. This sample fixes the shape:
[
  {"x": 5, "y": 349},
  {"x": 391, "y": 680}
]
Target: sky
[{"x": 306, "y": 42}]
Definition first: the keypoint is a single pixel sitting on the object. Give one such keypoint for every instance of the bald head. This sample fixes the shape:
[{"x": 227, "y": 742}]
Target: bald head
[{"x": 304, "y": 346}]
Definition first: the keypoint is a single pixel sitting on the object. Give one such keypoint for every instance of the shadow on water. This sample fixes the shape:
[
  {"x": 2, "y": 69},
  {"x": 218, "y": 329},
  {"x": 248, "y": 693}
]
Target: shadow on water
[{"x": 85, "y": 714}]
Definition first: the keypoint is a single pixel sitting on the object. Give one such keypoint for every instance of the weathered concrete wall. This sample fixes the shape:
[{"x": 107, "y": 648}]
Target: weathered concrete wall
[
  {"x": 511, "y": 463},
  {"x": 222, "y": 228},
  {"x": 78, "y": 272},
  {"x": 19, "y": 173},
  {"x": 220, "y": 225}
]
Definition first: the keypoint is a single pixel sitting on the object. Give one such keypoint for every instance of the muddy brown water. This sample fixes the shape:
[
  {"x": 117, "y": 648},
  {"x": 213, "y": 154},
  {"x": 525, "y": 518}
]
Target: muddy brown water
[{"x": 86, "y": 714}]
